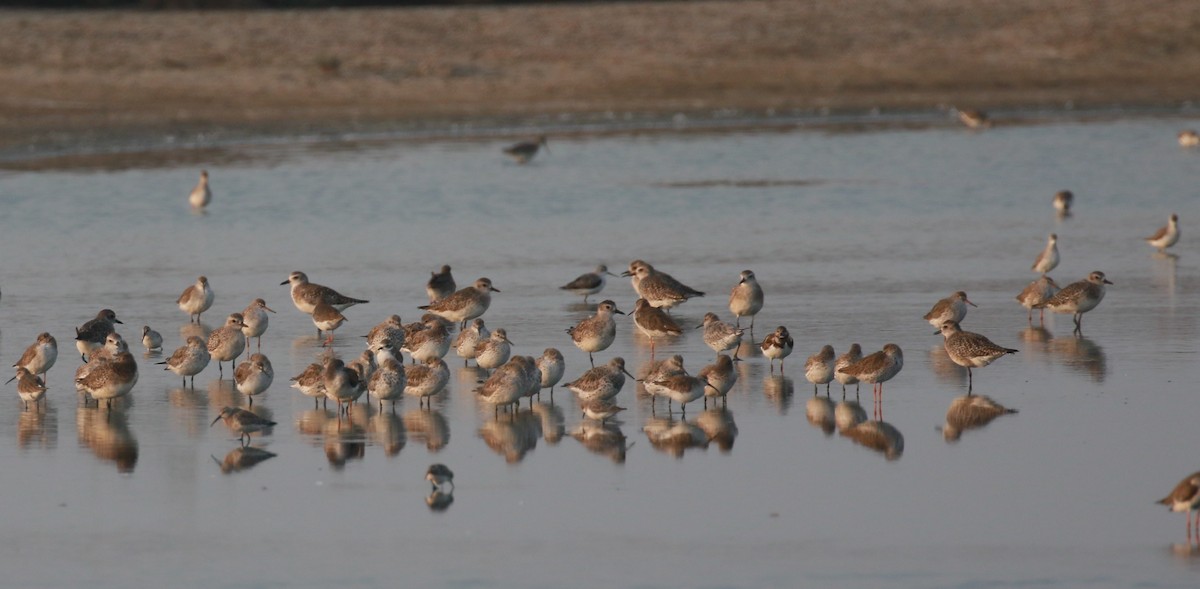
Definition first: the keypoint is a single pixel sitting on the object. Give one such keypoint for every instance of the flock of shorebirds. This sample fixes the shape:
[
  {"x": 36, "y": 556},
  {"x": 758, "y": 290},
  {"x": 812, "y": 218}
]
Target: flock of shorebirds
[{"x": 109, "y": 370}]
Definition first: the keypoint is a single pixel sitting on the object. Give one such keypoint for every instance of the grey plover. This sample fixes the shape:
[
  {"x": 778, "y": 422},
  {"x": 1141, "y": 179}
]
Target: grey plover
[
  {"x": 1078, "y": 298},
  {"x": 596, "y": 333},
  {"x": 951, "y": 308},
  {"x": 969, "y": 349},
  {"x": 589, "y": 283}
]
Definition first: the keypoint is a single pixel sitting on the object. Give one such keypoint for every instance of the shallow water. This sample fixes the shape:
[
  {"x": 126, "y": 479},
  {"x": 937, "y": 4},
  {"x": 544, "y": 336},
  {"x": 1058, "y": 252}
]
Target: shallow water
[{"x": 853, "y": 236}]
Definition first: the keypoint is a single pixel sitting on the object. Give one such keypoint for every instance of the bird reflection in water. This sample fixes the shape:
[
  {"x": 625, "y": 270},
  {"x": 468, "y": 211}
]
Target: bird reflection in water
[
  {"x": 779, "y": 390},
  {"x": 38, "y": 429},
  {"x": 387, "y": 430},
  {"x": 848, "y": 414},
  {"x": 345, "y": 439},
  {"x": 605, "y": 439},
  {"x": 970, "y": 412},
  {"x": 439, "y": 500},
  {"x": 944, "y": 368},
  {"x": 512, "y": 436},
  {"x": 674, "y": 436},
  {"x": 880, "y": 436},
  {"x": 819, "y": 412},
  {"x": 1082, "y": 355},
  {"x": 553, "y": 423},
  {"x": 107, "y": 434},
  {"x": 242, "y": 458},
  {"x": 200, "y": 330},
  {"x": 428, "y": 427},
  {"x": 224, "y": 393},
  {"x": 718, "y": 425}
]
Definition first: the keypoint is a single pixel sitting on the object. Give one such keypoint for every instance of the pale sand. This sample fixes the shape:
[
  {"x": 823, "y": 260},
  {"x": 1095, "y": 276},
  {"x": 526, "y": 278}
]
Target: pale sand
[{"x": 71, "y": 75}]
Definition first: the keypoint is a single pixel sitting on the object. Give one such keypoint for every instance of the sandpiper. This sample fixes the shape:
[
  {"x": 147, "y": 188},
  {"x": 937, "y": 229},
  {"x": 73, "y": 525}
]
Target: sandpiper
[
  {"x": 1185, "y": 497},
  {"x": 389, "y": 333},
  {"x": 777, "y": 346},
  {"x": 951, "y": 308},
  {"x": 494, "y": 351},
  {"x": 227, "y": 342},
  {"x": 311, "y": 382},
  {"x": 1167, "y": 235},
  {"x": 551, "y": 365},
  {"x": 600, "y": 410},
  {"x": 196, "y": 299},
  {"x": 431, "y": 342},
  {"x": 29, "y": 387},
  {"x": 256, "y": 319},
  {"x": 653, "y": 322},
  {"x": 326, "y": 319},
  {"x": 465, "y": 304},
  {"x": 818, "y": 369},
  {"x": 242, "y": 422},
  {"x": 342, "y": 385},
  {"x": 1036, "y": 293},
  {"x": 254, "y": 376},
  {"x": 439, "y": 474},
  {"x": 969, "y": 349},
  {"x": 90, "y": 336},
  {"x": 152, "y": 340},
  {"x": 365, "y": 364},
  {"x": 659, "y": 288},
  {"x": 113, "y": 344},
  {"x": 306, "y": 295},
  {"x": 850, "y": 357},
  {"x": 387, "y": 384},
  {"x": 1189, "y": 138},
  {"x": 40, "y": 356},
  {"x": 746, "y": 299},
  {"x": 427, "y": 379},
  {"x": 971, "y": 412},
  {"x": 721, "y": 336},
  {"x": 601, "y": 382},
  {"x": 659, "y": 371},
  {"x": 523, "y": 151},
  {"x": 590, "y": 283},
  {"x": 1048, "y": 259},
  {"x": 720, "y": 376},
  {"x": 1078, "y": 298},
  {"x": 1063, "y": 199},
  {"x": 464, "y": 345},
  {"x": 111, "y": 379},
  {"x": 201, "y": 195},
  {"x": 441, "y": 284},
  {"x": 508, "y": 383},
  {"x": 682, "y": 389},
  {"x": 189, "y": 360},
  {"x": 596, "y": 333}
]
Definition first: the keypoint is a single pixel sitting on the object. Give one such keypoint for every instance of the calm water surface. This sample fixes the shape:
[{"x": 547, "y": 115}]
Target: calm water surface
[{"x": 852, "y": 235}]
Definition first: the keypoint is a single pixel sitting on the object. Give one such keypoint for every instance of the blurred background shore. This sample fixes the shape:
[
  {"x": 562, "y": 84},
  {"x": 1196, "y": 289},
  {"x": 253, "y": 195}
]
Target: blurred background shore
[{"x": 80, "y": 75}]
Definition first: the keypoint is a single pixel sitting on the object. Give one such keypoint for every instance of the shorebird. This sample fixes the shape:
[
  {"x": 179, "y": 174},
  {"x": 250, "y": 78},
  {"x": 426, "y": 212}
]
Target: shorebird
[
  {"x": 326, "y": 319},
  {"x": 660, "y": 371},
  {"x": 90, "y": 336},
  {"x": 653, "y": 322},
  {"x": 974, "y": 119},
  {"x": 440, "y": 285},
  {"x": 189, "y": 360},
  {"x": 1036, "y": 293},
  {"x": 494, "y": 351},
  {"x": 819, "y": 411},
  {"x": 596, "y": 333},
  {"x": 659, "y": 288},
  {"x": 112, "y": 378},
  {"x": 464, "y": 345},
  {"x": 29, "y": 387},
  {"x": 850, "y": 357},
  {"x": 388, "y": 334},
  {"x": 365, "y": 364},
  {"x": 590, "y": 283},
  {"x": 951, "y": 308},
  {"x": 242, "y": 422},
  {"x": 682, "y": 389},
  {"x": 201, "y": 195},
  {"x": 40, "y": 356},
  {"x": 552, "y": 365},
  {"x": 1185, "y": 497},
  {"x": 427, "y": 379},
  {"x": 1048, "y": 259},
  {"x": 600, "y": 410},
  {"x": 387, "y": 384},
  {"x": 256, "y": 319},
  {"x": 523, "y": 151},
  {"x": 306, "y": 295},
  {"x": 969, "y": 349},
  {"x": 113, "y": 344},
  {"x": 196, "y": 299},
  {"x": 1078, "y": 298},
  {"x": 818, "y": 369},
  {"x": 439, "y": 475},
  {"x": 746, "y": 298},
  {"x": 342, "y": 385},
  {"x": 777, "y": 346},
  {"x": 508, "y": 383},
  {"x": 970, "y": 412},
  {"x": 1189, "y": 138},
  {"x": 721, "y": 336},
  {"x": 1063, "y": 199},
  {"x": 465, "y": 304},
  {"x": 311, "y": 382},
  {"x": 254, "y": 376},
  {"x": 721, "y": 377},
  {"x": 431, "y": 342},
  {"x": 877, "y": 369},
  {"x": 226, "y": 343},
  {"x": 152, "y": 340},
  {"x": 1167, "y": 235},
  {"x": 601, "y": 382}
]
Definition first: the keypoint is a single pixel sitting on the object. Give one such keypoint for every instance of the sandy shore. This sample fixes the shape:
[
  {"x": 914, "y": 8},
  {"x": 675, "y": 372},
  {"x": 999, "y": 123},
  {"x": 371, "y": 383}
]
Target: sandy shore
[{"x": 71, "y": 76}]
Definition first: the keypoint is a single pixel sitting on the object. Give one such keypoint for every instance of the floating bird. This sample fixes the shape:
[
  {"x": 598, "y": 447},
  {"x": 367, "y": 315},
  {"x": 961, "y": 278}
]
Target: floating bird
[
  {"x": 721, "y": 336},
  {"x": 659, "y": 288},
  {"x": 971, "y": 412},
  {"x": 40, "y": 356},
  {"x": 189, "y": 360},
  {"x": 439, "y": 475},
  {"x": 255, "y": 318},
  {"x": 590, "y": 283},
  {"x": 196, "y": 299},
  {"x": 1078, "y": 298},
  {"x": 552, "y": 365},
  {"x": 850, "y": 357},
  {"x": 201, "y": 195},
  {"x": 29, "y": 387},
  {"x": 227, "y": 342},
  {"x": 524, "y": 151},
  {"x": 1048, "y": 259},
  {"x": 242, "y": 422},
  {"x": 653, "y": 322},
  {"x": 969, "y": 349},
  {"x": 494, "y": 351},
  {"x": 1167, "y": 235},
  {"x": 601, "y": 382},
  {"x": 90, "y": 336},
  {"x": 427, "y": 379},
  {"x": 441, "y": 285},
  {"x": 777, "y": 346},
  {"x": 1063, "y": 199},
  {"x": 818, "y": 369},
  {"x": 306, "y": 295},
  {"x": 1036, "y": 293},
  {"x": 746, "y": 298},
  {"x": 1185, "y": 497},
  {"x": 951, "y": 308},
  {"x": 596, "y": 333},
  {"x": 464, "y": 345},
  {"x": 721, "y": 377},
  {"x": 151, "y": 339},
  {"x": 254, "y": 376},
  {"x": 1189, "y": 138},
  {"x": 326, "y": 318},
  {"x": 464, "y": 305}
]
